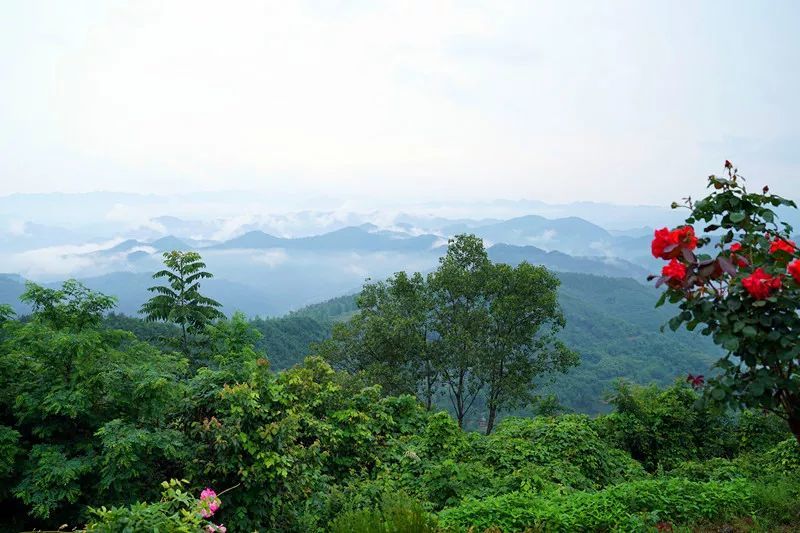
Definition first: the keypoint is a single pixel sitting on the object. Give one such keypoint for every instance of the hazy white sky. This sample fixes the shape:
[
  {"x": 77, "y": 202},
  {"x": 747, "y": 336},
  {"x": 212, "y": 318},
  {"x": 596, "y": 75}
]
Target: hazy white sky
[{"x": 609, "y": 101}]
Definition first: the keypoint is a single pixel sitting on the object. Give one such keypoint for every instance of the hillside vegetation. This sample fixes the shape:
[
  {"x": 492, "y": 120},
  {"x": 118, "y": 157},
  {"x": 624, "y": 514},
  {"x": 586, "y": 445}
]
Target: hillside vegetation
[{"x": 312, "y": 449}]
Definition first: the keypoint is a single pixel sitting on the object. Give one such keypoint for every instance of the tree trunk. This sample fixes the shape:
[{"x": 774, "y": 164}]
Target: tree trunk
[
  {"x": 791, "y": 405},
  {"x": 185, "y": 341},
  {"x": 428, "y": 387},
  {"x": 460, "y": 411},
  {"x": 794, "y": 425},
  {"x": 492, "y": 417}
]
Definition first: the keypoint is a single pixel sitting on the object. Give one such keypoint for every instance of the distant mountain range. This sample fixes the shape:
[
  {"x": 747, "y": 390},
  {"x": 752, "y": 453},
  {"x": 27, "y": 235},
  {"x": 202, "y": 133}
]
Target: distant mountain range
[
  {"x": 345, "y": 239},
  {"x": 254, "y": 277}
]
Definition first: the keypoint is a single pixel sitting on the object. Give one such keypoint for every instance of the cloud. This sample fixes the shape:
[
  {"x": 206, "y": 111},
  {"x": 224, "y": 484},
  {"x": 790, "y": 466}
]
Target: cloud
[
  {"x": 546, "y": 236},
  {"x": 58, "y": 262},
  {"x": 17, "y": 228},
  {"x": 271, "y": 258}
]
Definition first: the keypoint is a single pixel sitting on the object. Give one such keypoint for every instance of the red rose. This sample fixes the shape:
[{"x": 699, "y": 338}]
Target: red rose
[
  {"x": 668, "y": 244},
  {"x": 662, "y": 239},
  {"x": 686, "y": 237},
  {"x": 740, "y": 261},
  {"x": 794, "y": 270},
  {"x": 760, "y": 284},
  {"x": 674, "y": 270},
  {"x": 780, "y": 245}
]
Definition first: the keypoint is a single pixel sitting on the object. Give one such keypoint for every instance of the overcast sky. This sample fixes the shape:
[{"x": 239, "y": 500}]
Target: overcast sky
[{"x": 629, "y": 102}]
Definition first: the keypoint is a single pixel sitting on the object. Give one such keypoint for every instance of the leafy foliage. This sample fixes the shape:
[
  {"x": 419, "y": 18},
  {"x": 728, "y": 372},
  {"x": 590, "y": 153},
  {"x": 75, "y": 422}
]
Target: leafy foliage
[{"x": 635, "y": 506}]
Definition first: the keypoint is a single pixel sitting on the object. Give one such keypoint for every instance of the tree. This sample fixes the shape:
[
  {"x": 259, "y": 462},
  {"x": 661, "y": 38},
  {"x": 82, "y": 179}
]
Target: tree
[
  {"x": 180, "y": 301},
  {"x": 745, "y": 291},
  {"x": 472, "y": 328},
  {"x": 389, "y": 338},
  {"x": 461, "y": 318},
  {"x": 91, "y": 408},
  {"x": 72, "y": 307},
  {"x": 521, "y": 342}
]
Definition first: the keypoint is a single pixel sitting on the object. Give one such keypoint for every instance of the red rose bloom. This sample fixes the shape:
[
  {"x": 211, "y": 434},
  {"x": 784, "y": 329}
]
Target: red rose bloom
[
  {"x": 760, "y": 284},
  {"x": 740, "y": 261},
  {"x": 794, "y": 270},
  {"x": 780, "y": 245},
  {"x": 674, "y": 270},
  {"x": 668, "y": 244},
  {"x": 662, "y": 239},
  {"x": 686, "y": 237}
]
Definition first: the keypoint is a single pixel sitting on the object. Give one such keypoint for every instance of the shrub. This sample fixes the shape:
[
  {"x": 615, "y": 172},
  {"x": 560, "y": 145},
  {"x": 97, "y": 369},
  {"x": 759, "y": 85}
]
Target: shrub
[
  {"x": 784, "y": 458},
  {"x": 567, "y": 443},
  {"x": 759, "y": 431},
  {"x": 177, "y": 512},
  {"x": 627, "y": 506},
  {"x": 397, "y": 514},
  {"x": 717, "y": 469}
]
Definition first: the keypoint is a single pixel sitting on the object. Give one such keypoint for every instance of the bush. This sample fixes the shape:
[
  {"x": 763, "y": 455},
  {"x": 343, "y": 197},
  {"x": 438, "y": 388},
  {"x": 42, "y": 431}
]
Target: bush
[
  {"x": 397, "y": 514},
  {"x": 757, "y": 431},
  {"x": 717, "y": 469},
  {"x": 784, "y": 457},
  {"x": 569, "y": 444},
  {"x": 177, "y": 512},
  {"x": 661, "y": 428},
  {"x": 627, "y": 506}
]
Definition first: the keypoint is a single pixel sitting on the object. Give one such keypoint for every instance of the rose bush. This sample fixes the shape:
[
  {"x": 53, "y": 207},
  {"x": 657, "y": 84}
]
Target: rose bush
[{"x": 743, "y": 289}]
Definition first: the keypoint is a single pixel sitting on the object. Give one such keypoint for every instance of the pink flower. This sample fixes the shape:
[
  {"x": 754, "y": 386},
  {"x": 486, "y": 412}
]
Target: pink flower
[
  {"x": 213, "y": 528},
  {"x": 210, "y": 503}
]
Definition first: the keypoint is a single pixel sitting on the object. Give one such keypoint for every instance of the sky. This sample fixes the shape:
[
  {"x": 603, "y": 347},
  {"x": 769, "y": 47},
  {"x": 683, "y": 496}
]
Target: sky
[{"x": 625, "y": 102}]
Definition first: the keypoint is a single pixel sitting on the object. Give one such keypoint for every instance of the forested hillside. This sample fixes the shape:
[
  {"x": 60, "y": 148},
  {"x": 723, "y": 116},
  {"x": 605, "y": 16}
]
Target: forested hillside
[
  {"x": 612, "y": 324},
  {"x": 97, "y": 428}
]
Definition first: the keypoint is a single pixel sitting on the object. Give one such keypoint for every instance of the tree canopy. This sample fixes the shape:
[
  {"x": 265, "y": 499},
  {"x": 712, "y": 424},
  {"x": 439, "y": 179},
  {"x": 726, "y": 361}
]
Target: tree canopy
[{"x": 470, "y": 329}]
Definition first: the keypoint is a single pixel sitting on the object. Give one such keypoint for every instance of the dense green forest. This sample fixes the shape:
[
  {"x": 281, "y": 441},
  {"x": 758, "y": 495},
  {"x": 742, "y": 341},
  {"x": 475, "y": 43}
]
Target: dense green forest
[
  {"x": 93, "y": 417},
  {"x": 188, "y": 421}
]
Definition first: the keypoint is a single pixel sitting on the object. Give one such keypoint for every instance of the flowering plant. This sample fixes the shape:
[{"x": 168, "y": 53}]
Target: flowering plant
[
  {"x": 209, "y": 503},
  {"x": 744, "y": 290}
]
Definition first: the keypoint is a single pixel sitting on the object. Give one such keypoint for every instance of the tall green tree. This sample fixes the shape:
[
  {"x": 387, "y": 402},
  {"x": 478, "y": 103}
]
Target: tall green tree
[
  {"x": 180, "y": 300},
  {"x": 72, "y": 307},
  {"x": 89, "y": 409},
  {"x": 462, "y": 320},
  {"x": 524, "y": 317}
]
